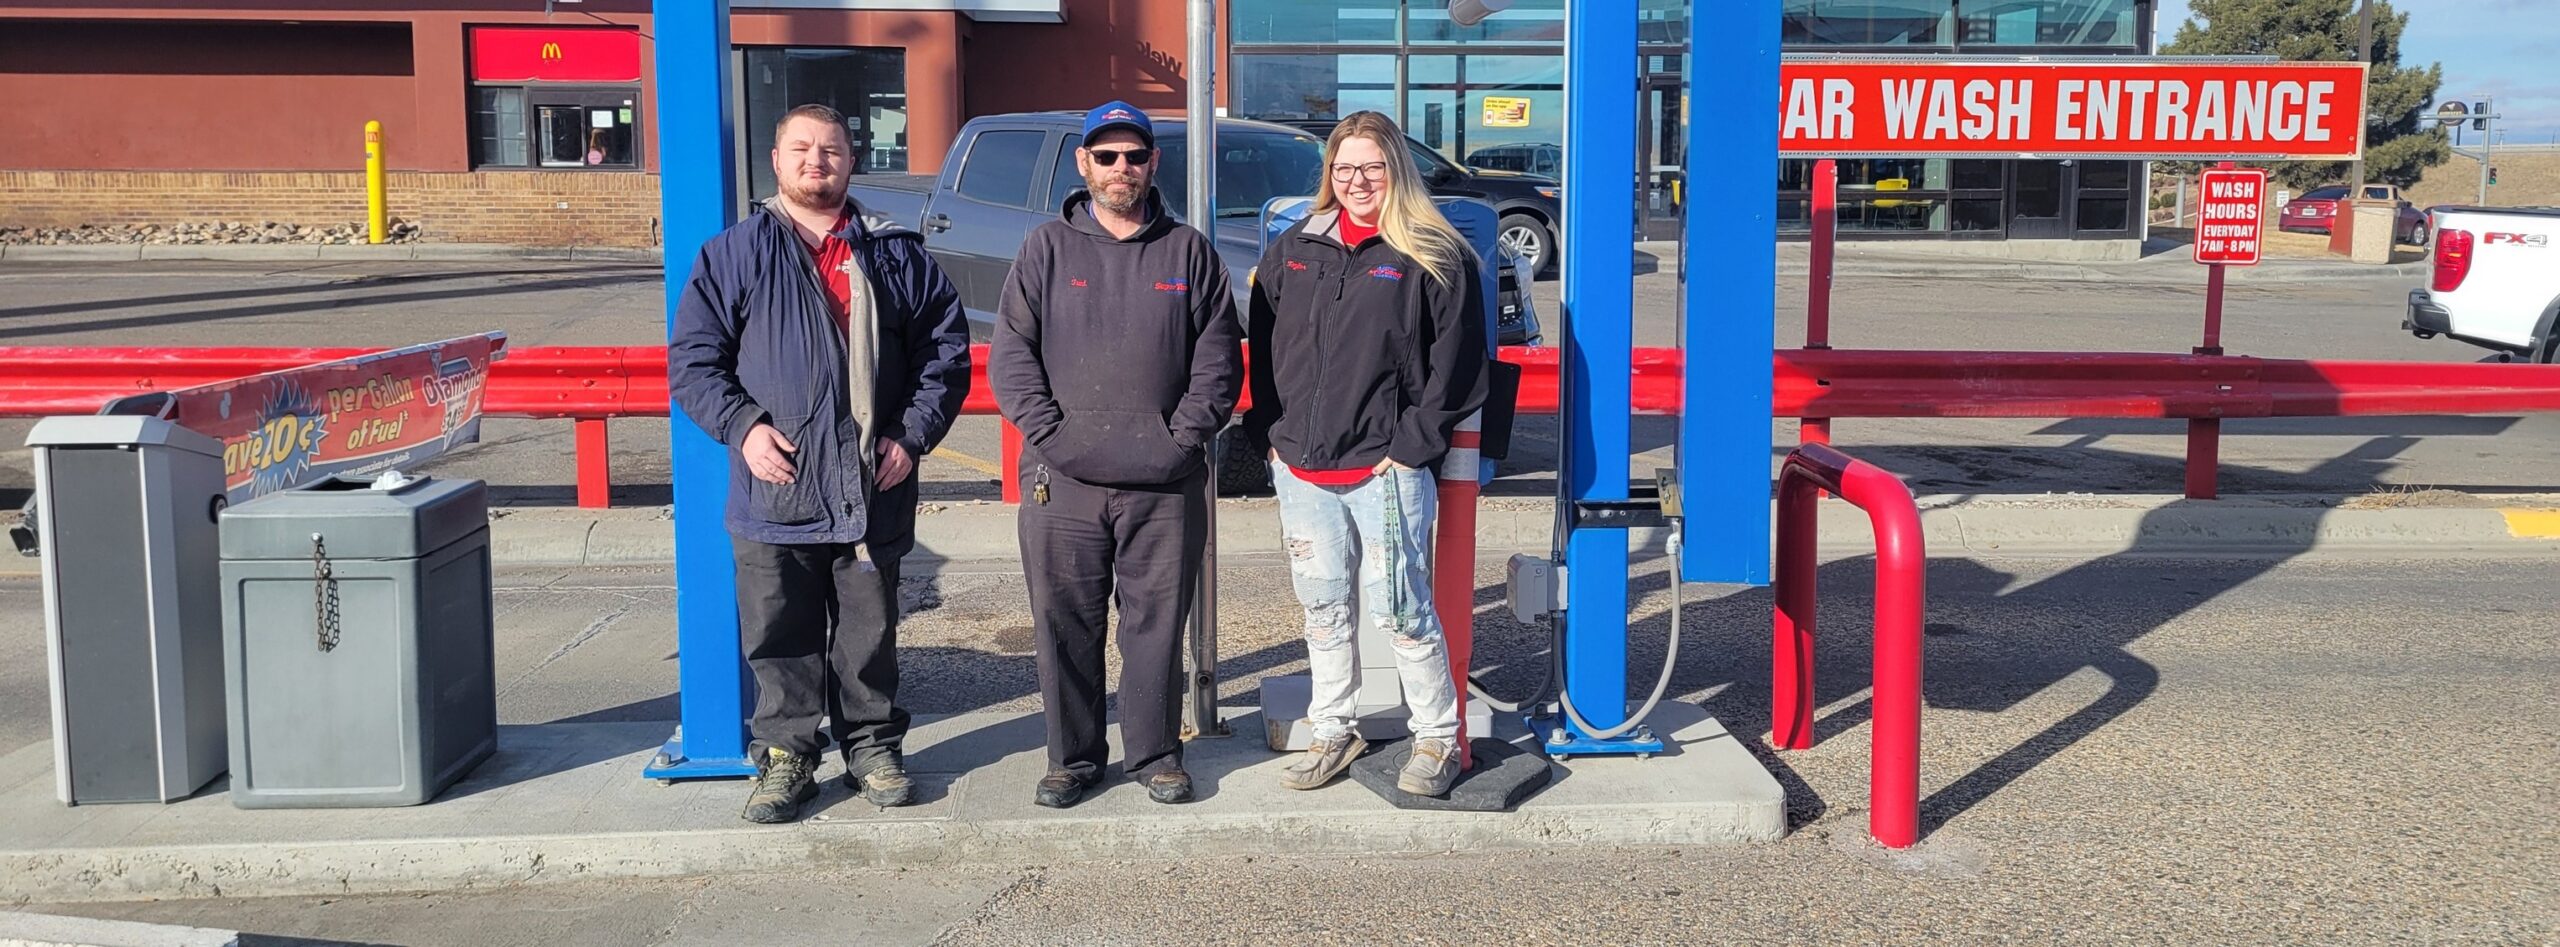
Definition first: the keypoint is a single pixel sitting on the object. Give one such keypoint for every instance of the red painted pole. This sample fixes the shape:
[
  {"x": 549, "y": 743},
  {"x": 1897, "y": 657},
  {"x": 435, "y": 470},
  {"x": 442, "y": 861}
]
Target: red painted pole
[
  {"x": 1453, "y": 561},
  {"x": 595, "y": 464},
  {"x": 1010, "y": 460},
  {"x": 1791, "y": 654},
  {"x": 2204, "y": 435},
  {"x": 2212, "y": 311},
  {"x": 1826, "y": 227},
  {"x": 1817, "y": 314}
]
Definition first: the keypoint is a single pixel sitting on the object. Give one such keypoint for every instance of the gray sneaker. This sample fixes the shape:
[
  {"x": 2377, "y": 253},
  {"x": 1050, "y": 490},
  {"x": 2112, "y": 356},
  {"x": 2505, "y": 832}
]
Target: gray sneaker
[
  {"x": 1325, "y": 760},
  {"x": 1432, "y": 769}
]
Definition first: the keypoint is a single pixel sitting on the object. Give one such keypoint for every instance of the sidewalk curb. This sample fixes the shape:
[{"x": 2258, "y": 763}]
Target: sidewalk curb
[{"x": 568, "y": 801}]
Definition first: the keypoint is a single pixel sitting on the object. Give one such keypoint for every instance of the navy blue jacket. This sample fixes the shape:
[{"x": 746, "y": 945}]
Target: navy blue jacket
[{"x": 756, "y": 340}]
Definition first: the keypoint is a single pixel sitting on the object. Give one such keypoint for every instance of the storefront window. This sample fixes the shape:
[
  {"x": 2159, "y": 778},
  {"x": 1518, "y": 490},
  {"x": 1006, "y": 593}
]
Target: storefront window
[
  {"x": 1525, "y": 21},
  {"x": 1459, "y": 105},
  {"x": 869, "y": 85},
  {"x": 1311, "y": 87},
  {"x": 1313, "y": 21},
  {"x": 1868, "y": 23},
  {"x": 2050, "y": 23}
]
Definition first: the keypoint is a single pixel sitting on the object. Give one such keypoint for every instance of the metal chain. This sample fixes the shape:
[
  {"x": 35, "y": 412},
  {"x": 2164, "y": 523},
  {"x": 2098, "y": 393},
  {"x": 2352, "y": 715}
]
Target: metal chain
[{"x": 324, "y": 596}]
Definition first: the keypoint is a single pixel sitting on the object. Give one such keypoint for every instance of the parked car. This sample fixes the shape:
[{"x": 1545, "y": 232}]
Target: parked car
[
  {"x": 1541, "y": 159},
  {"x": 2314, "y": 210},
  {"x": 2496, "y": 281},
  {"x": 1010, "y": 173},
  {"x": 1530, "y": 205}
]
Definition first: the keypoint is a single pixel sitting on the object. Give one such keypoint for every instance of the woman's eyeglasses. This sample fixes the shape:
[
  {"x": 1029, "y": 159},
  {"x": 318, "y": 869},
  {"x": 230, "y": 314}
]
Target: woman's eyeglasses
[{"x": 1374, "y": 171}]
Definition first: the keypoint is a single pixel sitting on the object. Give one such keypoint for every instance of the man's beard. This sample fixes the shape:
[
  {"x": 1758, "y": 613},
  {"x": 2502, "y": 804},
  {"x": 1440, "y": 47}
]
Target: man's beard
[
  {"x": 824, "y": 195},
  {"x": 1127, "y": 202}
]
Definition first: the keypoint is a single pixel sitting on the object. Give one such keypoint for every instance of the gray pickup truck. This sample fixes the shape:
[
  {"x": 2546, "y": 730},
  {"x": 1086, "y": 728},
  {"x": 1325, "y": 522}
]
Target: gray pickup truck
[{"x": 1010, "y": 173}]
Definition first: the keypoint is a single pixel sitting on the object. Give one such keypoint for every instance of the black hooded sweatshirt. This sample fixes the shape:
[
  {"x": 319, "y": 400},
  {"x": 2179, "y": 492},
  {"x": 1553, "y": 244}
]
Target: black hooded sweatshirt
[{"x": 1117, "y": 359}]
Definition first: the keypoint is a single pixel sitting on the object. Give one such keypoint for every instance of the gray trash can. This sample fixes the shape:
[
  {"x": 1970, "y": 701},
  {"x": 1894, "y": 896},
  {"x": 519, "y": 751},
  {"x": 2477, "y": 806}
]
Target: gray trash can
[
  {"x": 358, "y": 620},
  {"x": 125, "y": 506}
]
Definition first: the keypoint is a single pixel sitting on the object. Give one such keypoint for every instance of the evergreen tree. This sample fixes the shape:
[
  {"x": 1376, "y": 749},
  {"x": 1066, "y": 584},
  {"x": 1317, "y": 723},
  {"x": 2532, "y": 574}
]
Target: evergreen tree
[{"x": 2400, "y": 138}]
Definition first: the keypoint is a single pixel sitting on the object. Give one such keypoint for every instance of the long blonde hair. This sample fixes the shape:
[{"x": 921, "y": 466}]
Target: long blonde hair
[{"x": 1408, "y": 219}]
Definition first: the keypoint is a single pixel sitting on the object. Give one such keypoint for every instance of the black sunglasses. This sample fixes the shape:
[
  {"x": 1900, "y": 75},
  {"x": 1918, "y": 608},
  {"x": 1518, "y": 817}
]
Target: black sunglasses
[{"x": 1137, "y": 156}]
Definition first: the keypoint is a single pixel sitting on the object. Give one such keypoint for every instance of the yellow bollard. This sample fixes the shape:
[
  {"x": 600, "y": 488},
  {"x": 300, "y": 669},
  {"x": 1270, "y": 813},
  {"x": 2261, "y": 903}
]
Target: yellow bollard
[{"x": 373, "y": 182}]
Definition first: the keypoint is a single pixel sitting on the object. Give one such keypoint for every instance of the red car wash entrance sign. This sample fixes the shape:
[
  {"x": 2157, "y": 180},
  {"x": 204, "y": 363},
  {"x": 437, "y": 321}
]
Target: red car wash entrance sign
[
  {"x": 2233, "y": 219},
  {"x": 1856, "y": 106}
]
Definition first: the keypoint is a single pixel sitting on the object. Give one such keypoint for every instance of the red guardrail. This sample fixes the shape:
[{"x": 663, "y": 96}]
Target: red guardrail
[
  {"x": 592, "y": 384},
  {"x": 1893, "y": 787}
]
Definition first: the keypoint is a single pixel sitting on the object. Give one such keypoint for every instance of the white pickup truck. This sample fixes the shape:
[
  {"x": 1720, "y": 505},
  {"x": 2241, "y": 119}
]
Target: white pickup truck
[{"x": 2496, "y": 282}]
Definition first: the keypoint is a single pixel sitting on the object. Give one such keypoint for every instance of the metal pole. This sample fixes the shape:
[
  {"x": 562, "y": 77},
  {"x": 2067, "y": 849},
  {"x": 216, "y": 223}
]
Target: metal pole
[
  {"x": 2364, "y": 53},
  {"x": 698, "y": 197},
  {"x": 2181, "y": 221},
  {"x": 2487, "y": 135},
  {"x": 1200, "y": 713}
]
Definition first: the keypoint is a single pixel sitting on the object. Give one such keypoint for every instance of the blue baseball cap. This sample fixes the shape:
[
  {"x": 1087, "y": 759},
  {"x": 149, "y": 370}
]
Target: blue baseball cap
[{"x": 1118, "y": 114}]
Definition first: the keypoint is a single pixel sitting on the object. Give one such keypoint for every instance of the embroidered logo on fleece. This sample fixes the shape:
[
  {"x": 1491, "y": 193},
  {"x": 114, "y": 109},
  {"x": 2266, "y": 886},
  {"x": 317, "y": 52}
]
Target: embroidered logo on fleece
[
  {"x": 1387, "y": 272},
  {"x": 1295, "y": 265},
  {"x": 1173, "y": 285},
  {"x": 1077, "y": 283}
]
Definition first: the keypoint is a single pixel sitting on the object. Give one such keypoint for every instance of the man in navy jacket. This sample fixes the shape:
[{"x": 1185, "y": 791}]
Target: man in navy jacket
[{"x": 829, "y": 352}]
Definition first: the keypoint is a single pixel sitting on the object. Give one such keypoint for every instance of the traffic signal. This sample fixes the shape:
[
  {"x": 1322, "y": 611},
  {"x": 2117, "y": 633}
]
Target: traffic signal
[
  {"x": 2493, "y": 174},
  {"x": 2480, "y": 124}
]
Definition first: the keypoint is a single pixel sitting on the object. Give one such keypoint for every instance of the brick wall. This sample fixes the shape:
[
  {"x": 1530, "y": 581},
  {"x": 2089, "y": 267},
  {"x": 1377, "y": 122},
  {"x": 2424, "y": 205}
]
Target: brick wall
[{"x": 510, "y": 207}]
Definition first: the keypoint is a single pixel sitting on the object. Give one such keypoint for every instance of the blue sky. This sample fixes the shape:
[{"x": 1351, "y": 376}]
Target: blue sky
[{"x": 2503, "y": 48}]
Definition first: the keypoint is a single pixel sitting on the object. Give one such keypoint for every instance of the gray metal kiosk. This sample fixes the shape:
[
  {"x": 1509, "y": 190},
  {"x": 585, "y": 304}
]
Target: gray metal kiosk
[
  {"x": 359, "y": 624},
  {"x": 126, "y": 506}
]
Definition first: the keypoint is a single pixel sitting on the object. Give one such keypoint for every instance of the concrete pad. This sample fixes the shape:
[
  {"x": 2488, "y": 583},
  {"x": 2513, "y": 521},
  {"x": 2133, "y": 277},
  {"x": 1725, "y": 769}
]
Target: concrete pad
[
  {"x": 47, "y": 930},
  {"x": 566, "y": 801}
]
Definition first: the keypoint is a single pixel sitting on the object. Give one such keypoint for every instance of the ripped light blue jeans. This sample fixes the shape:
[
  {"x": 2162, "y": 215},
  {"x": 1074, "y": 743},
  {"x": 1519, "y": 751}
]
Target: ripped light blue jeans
[{"x": 1379, "y": 532}]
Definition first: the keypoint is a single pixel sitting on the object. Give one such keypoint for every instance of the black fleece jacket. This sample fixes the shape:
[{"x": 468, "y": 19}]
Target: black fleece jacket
[
  {"x": 1358, "y": 354},
  {"x": 1118, "y": 359}
]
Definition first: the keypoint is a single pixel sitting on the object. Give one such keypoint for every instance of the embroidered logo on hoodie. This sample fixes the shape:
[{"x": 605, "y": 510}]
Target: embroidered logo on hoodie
[
  {"x": 1173, "y": 285},
  {"x": 1387, "y": 272}
]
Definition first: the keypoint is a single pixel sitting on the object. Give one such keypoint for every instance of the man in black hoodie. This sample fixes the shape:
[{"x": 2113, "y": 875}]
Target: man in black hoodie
[{"x": 1117, "y": 356}]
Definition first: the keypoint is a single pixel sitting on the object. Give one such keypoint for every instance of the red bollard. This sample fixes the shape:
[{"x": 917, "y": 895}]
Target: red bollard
[
  {"x": 1893, "y": 785},
  {"x": 1453, "y": 562}
]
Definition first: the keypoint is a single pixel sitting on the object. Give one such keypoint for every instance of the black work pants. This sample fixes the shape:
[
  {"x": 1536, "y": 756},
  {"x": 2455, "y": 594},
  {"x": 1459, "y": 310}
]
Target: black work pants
[
  {"x": 1084, "y": 550},
  {"x": 820, "y": 629}
]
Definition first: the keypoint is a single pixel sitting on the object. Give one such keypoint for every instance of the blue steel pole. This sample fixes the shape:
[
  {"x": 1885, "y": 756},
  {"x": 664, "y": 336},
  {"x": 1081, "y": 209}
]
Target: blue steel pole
[
  {"x": 697, "y": 196},
  {"x": 1730, "y": 296},
  {"x": 1599, "y": 289}
]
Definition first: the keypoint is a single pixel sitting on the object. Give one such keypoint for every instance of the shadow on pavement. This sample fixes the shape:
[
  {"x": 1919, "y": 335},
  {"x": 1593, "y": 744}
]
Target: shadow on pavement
[
  {"x": 313, "y": 305},
  {"x": 356, "y": 284}
]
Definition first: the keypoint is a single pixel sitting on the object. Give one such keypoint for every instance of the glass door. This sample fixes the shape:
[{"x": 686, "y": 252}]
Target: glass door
[{"x": 1660, "y": 150}]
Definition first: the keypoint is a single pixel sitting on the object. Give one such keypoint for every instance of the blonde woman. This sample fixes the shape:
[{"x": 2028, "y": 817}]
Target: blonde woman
[{"x": 1367, "y": 350}]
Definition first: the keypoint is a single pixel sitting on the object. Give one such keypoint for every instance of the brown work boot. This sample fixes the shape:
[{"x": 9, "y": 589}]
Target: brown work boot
[
  {"x": 784, "y": 783},
  {"x": 882, "y": 780},
  {"x": 1325, "y": 760}
]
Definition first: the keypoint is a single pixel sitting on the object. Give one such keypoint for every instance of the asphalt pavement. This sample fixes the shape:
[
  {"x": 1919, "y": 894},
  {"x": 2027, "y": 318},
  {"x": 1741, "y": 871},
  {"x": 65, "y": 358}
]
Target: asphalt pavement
[
  {"x": 2116, "y": 749},
  {"x": 540, "y": 303}
]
